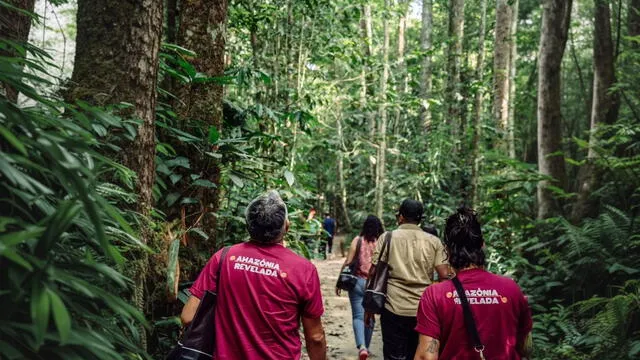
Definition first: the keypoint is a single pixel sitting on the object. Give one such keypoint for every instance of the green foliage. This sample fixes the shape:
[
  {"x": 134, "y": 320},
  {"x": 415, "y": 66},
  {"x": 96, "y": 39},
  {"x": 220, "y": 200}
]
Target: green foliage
[{"x": 62, "y": 237}]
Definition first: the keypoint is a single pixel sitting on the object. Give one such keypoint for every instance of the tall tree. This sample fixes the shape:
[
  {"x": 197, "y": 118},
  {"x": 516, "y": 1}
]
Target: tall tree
[
  {"x": 478, "y": 104},
  {"x": 15, "y": 26},
  {"x": 402, "y": 85},
  {"x": 605, "y": 105},
  {"x": 456, "y": 33},
  {"x": 501, "y": 63},
  {"x": 556, "y": 15},
  {"x": 633, "y": 21},
  {"x": 382, "y": 127},
  {"x": 121, "y": 65},
  {"x": 425, "y": 70},
  {"x": 511, "y": 123},
  {"x": 202, "y": 30}
]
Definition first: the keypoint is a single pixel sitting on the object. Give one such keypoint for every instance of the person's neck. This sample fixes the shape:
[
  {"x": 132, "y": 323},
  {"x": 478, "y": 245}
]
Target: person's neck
[{"x": 470, "y": 267}]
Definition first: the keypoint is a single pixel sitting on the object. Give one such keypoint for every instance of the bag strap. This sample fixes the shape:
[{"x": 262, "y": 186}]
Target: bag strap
[
  {"x": 219, "y": 271},
  {"x": 386, "y": 245},
  {"x": 356, "y": 258},
  {"x": 469, "y": 321}
]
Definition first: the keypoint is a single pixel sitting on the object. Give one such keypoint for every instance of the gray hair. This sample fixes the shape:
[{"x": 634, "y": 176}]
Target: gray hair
[{"x": 266, "y": 217}]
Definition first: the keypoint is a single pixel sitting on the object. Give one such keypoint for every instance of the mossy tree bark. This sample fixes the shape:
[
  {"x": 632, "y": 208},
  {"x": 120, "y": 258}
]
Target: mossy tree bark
[
  {"x": 15, "y": 26},
  {"x": 556, "y": 15},
  {"x": 202, "y": 30},
  {"x": 117, "y": 61}
]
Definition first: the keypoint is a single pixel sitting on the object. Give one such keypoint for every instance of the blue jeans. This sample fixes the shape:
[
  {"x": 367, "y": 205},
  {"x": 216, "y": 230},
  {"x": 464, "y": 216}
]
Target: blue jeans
[{"x": 362, "y": 333}]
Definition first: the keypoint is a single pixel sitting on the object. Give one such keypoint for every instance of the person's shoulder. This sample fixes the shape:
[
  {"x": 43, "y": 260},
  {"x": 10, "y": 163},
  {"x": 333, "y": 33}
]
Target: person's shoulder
[
  {"x": 294, "y": 258},
  {"x": 506, "y": 282}
]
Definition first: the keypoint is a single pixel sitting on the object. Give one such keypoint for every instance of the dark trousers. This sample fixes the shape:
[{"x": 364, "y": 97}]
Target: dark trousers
[
  {"x": 329, "y": 244},
  {"x": 399, "y": 339}
]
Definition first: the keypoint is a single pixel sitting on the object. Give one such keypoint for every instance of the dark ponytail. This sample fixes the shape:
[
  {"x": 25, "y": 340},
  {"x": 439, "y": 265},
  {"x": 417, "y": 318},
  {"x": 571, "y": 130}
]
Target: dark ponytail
[{"x": 463, "y": 239}]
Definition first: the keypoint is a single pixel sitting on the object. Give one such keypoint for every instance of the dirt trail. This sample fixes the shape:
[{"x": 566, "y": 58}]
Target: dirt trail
[{"x": 337, "y": 317}]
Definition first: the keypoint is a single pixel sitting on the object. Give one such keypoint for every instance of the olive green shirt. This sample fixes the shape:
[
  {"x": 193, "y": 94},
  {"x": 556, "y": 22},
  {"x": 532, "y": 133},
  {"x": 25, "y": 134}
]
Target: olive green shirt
[{"x": 413, "y": 256}]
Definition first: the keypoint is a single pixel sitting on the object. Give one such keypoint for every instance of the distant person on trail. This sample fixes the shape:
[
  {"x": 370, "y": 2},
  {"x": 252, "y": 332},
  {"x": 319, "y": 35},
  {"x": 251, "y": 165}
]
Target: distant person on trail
[
  {"x": 266, "y": 290},
  {"x": 371, "y": 230},
  {"x": 500, "y": 310},
  {"x": 413, "y": 257},
  {"x": 329, "y": 225}
]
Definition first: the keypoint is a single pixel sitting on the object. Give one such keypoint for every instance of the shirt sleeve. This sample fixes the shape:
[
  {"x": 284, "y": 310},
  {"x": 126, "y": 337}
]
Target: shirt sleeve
[
  {"x": 207, "y": 278},
  {"x": 312, "y": 306},
  {"x": 441, "y": 256},
  {"x": 427, "y": 318}
]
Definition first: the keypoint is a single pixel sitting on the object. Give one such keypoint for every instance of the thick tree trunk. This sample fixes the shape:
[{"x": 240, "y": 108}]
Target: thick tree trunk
[
  {"x": 14, "y": 26},
  {"x": 453, "y": 95},
  {"x": 501, "y": 63},
  {"x": 553, "y": 38},
  {"x": 511, "y": 123},
  {"x": 605, "y": 107},
  {"x": 117, "y": 61},
  {"x": 382, "y": 128},
  {"x": 425, "y": 70},
  {"x": 478, "y": 105},
  {"x": 202, "y": 30}
]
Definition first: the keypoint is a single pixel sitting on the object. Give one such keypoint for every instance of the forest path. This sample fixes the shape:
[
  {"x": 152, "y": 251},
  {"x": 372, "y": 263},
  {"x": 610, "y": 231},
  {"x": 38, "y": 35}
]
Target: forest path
[{"x": 337, "y": 316}]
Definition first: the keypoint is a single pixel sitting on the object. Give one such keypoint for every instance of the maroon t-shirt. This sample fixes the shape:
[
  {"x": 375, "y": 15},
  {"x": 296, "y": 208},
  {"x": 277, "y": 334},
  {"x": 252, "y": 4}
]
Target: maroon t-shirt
[
  {"x": 264, "y": 290},
  {"x": 500, "y": 309}
]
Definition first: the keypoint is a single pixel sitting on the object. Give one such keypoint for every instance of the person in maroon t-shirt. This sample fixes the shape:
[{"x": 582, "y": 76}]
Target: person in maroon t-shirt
[
  {"x": 265, "y": 291},
  {"x": 500, "y": 310}
]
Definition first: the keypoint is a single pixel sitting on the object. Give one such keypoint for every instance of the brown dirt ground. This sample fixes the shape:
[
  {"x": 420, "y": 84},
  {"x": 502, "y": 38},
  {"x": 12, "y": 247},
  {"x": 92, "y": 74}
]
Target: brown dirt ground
[{"x": 337, "y": 316}]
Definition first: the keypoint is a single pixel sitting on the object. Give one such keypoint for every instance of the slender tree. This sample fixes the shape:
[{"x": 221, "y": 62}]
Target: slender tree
[
  {"x": 402, "y": 85},
  {"x": 511, "y": 123},
  {"x": 556, "y": 16},
  {"x": 605, "y": 106},
  {"x": 382, "y": 128},
  {"x": 202, "y": 30},
  {"x": 634, "y": 18},
  {"x": 456, "y": 33},
  {"x": 15, "y": 26},
  {"x": 478, "y": 104},
  {"x": 501, "y": 64},
  {"x": 425, "y": 69}
]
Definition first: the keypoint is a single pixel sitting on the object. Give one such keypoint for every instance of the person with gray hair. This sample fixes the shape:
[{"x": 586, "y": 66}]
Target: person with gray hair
[{"x": 265, "y": 291}]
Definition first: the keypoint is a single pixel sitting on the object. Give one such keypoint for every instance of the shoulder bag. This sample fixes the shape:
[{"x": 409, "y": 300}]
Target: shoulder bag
[
  {"x": 469, "y": 321},
  {"x": 348, "y": 279},
  {"x": 198, "y": 342},
  {"x": 376, "y": 294}
]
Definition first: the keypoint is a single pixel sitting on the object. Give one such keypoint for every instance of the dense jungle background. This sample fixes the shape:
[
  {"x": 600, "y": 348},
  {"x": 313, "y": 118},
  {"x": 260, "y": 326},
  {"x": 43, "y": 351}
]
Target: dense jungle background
[{"x": 134, "y": 133}]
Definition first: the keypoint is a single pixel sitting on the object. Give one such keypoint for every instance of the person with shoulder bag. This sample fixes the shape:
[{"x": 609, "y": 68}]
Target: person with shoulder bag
[
  {"x": 353, "y": 277},
  {"x": 477, "y": 315},
  {"x": 404, "y": 263},
  {"x": 265, "y": 292}
]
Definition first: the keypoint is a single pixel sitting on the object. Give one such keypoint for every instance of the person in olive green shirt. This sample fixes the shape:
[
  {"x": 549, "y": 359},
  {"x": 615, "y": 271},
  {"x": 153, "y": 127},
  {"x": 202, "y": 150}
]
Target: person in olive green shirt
[{"x": 413, "y": 256}]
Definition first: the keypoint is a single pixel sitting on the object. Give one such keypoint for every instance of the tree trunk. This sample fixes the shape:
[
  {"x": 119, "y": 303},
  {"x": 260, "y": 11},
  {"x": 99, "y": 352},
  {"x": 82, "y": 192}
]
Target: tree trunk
[
  {"x": 117, "y": 61},
  {"x": 425, "y": 70},
  {"x": 403, "y": 83},
  {"x": 366, "y": 34},
  {"x": 478, "y": 105},
  {"x": 202, "y": 30},
  {"x": 501, "y": 63},
  {"x": 511, "y": 123},
  {"x": 341, "y": 182},
  {"x": 15, "y": 26},
  {"x": 453, "y": 95},
  {"x": 605, "y": 107},
  {"x": 556, "y": 16},
  {"x": 382, "y": 128},
  {"x": 634, "y": 19}
]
